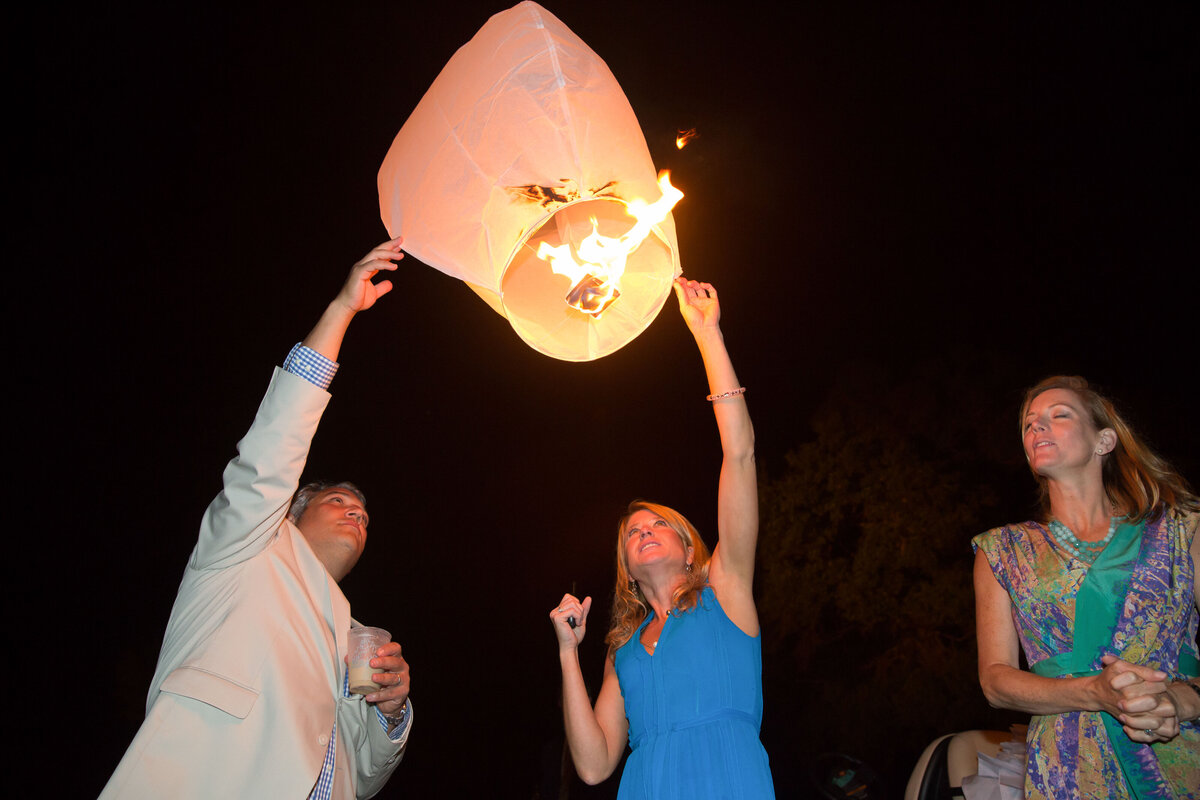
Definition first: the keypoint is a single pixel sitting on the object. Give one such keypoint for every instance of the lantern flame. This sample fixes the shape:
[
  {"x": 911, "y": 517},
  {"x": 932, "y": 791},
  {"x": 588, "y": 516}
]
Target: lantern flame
[
  {"x": 681, "y": 141},
  {"x": 596, "y": 277}
]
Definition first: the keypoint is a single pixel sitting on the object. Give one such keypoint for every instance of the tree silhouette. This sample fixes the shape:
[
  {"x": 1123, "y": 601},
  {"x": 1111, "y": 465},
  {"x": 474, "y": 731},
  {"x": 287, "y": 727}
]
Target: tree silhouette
[{"x": 865, "y": 566}]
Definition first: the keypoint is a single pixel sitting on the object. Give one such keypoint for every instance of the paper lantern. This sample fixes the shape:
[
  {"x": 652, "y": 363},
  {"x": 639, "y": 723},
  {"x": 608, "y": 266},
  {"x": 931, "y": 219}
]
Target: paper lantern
[{"x": 525, "y": 139}]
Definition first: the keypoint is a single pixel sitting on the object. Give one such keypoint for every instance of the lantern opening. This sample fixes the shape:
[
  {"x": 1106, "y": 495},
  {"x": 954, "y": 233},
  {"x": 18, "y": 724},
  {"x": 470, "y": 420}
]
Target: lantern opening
[
  {"x": 596, "y": 276},
  {"x": 537, "y": 298}
]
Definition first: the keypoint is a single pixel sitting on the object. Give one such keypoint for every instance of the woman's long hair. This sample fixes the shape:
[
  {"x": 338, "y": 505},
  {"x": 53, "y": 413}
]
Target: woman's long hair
[
  {"x": 1136, "y": 479},
  {"x": 629, "y": 604}
]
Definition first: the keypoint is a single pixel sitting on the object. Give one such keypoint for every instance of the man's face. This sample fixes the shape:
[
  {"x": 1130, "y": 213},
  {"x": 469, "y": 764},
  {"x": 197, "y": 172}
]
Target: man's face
[{"x": 335, "y": 524}]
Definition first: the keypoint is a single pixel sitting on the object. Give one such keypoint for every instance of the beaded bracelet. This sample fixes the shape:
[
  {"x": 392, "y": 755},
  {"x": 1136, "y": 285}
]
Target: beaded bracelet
[{"x": 734, "y": 393}]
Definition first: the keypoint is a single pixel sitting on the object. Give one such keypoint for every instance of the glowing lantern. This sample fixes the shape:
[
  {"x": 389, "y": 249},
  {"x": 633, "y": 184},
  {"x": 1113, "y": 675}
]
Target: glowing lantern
[{"x": 524, "y": 173}]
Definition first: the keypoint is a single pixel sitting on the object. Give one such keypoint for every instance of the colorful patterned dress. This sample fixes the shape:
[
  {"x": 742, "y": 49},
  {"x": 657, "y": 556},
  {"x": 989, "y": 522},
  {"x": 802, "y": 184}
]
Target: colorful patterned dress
[{"x": 1135, "y": 602}]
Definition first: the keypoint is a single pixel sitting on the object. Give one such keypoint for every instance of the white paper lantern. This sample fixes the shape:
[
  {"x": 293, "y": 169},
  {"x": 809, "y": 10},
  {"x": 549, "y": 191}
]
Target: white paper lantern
[{"x": 525, "y": 137}]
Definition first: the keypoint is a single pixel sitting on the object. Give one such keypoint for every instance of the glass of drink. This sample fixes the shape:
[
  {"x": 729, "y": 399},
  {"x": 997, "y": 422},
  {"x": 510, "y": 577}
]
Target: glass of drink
[{"x": 363, "y": 642}]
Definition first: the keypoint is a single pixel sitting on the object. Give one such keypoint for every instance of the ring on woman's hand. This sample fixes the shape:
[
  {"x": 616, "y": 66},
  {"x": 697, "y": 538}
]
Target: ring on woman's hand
[{"x": 1149, "y": 732}]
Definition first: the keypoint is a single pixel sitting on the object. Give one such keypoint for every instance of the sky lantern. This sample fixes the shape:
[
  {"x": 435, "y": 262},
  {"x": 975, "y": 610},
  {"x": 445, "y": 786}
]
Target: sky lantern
[{"x": 524, "y": 173}]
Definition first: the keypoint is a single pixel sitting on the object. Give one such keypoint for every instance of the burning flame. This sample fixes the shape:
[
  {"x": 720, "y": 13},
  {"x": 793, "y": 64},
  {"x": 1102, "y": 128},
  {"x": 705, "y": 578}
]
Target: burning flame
[
  {"x": 681, "y": 141},
  {"x": 596, "y": 278}
]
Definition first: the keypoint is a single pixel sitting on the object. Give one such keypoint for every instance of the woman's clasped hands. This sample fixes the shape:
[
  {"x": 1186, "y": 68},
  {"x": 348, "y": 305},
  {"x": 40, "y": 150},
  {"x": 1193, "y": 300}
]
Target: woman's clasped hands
[{"x": 1138, "y": 698}]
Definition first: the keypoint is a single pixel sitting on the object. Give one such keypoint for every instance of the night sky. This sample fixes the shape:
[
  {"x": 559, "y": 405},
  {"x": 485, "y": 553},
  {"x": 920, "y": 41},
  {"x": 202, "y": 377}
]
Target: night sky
[{"x": 1010, "y": 193}]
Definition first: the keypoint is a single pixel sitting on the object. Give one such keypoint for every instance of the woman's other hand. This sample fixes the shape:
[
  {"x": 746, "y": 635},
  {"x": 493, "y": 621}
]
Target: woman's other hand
[
  {"x": 1137, "y": 696},
  {"x": 568, "y": 609},
  {"x": 1159, "y": 724}
]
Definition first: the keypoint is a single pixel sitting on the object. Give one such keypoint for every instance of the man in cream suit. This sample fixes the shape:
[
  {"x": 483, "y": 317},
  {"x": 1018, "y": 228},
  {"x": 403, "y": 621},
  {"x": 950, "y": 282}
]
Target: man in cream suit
[{"x": 249, "y": 698}]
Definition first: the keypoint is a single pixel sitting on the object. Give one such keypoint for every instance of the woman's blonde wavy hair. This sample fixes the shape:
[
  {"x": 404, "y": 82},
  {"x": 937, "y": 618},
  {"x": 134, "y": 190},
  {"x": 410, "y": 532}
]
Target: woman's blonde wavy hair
[
  {"x": 629, "y": 604},
  {"x": 1136, "y": 479}
]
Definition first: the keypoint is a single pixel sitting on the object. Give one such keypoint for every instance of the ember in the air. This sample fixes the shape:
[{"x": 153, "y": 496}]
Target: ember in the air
[{"x": 681, "y": 141}]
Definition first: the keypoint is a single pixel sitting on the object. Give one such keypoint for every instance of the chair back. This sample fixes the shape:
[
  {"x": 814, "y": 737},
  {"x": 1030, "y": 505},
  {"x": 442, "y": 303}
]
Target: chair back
[{"x": 939, "y": 772}]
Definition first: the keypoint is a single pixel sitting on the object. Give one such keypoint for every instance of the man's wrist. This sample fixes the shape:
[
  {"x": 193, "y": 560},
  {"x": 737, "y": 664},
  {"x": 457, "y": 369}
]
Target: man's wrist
[
  {"x": 397, "y": 720},
  {"x": 307, "y": 363}
]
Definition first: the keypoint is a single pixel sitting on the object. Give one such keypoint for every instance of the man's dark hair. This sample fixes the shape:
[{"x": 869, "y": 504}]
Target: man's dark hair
[{"x": 310, "y": 490}]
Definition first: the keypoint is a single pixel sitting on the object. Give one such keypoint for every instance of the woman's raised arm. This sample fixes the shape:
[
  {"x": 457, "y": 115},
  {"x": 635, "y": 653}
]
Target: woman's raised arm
[{"x": 732, "y": 570}]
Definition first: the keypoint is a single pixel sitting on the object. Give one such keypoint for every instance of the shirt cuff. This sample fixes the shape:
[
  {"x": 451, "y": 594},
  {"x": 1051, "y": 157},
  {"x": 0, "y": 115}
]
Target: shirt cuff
[
  {"x": 405, "y": 716},
  {"x": 307, "y": 363}
]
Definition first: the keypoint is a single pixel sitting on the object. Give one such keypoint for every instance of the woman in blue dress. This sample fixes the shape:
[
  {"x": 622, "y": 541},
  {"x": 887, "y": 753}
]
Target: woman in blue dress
[{"x": 683, "y": 677}]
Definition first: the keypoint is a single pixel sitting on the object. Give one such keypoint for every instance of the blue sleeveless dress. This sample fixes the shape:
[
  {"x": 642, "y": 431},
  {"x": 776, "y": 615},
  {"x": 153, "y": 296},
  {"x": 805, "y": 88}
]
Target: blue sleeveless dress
[{"x": 694, "y": 710}]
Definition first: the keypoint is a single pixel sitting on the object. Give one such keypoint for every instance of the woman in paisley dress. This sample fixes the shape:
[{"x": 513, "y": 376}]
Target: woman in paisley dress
[
  {"x": 1100, "y": 595},
  {"x": 683, "y": 677}
]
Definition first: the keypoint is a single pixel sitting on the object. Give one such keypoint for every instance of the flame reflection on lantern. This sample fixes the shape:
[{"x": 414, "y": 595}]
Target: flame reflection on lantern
[{"x": 596, "y": 277}]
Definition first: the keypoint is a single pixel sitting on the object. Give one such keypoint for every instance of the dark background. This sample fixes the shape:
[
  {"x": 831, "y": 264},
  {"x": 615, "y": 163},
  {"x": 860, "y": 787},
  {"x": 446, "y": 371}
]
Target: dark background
[{"x": 984, "y": 196}]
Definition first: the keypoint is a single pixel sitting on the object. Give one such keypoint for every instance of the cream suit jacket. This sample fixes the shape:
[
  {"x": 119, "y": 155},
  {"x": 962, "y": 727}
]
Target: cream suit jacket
[{"x": 250, "y": 675}]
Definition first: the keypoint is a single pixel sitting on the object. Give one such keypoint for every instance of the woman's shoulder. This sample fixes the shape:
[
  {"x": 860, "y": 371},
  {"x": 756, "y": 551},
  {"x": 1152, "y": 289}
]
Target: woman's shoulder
[
  {"x": 705, "y": 599},
  {"x": 1186, "y": 521},
  {"x": 1184, "y": 516},
  {"x": 713, "y": 612},
  {"x": 1005, "y": 535}
]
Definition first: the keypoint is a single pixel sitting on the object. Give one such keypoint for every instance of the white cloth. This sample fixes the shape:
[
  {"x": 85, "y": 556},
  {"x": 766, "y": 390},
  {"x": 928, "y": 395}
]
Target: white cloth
[{"x": 1000, "y": 777}]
